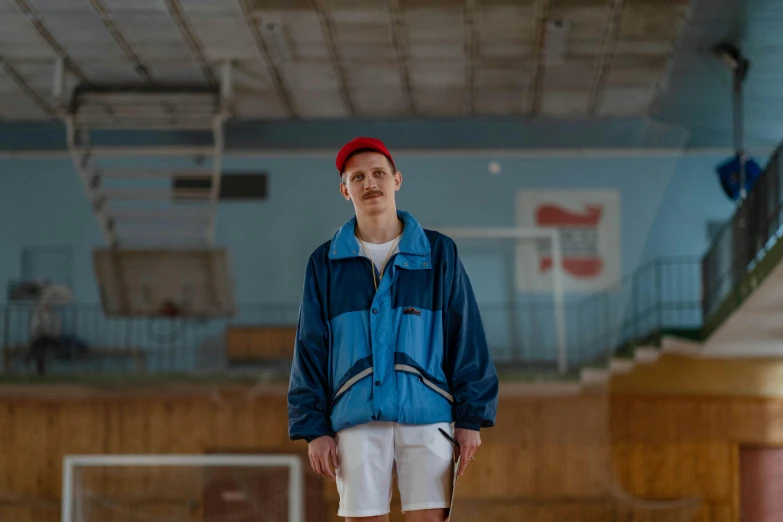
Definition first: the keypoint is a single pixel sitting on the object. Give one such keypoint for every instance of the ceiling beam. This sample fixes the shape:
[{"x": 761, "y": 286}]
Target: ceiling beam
[
  {"x": 399, "y": 34},
  {"x": 663, "y": 82},
  {"x": 180, "y": 18},
  {"x": 605, "y": 59},
  {"x": 471, "y": 51},
  {"x": 272, "y": 69},
  {"x": 330, "y": 37},
  {"x": 537, "y": 81},
  {"x": 108, "y": 21},
  {"x": 28, "y": 89},
  {"x": 35, "y": 18}
]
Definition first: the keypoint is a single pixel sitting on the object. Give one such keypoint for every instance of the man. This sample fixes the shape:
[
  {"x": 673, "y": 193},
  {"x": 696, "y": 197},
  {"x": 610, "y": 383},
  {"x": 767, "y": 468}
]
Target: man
[
  {"x": 45, "y": 327},
  {"x": 390, "y": 349}
]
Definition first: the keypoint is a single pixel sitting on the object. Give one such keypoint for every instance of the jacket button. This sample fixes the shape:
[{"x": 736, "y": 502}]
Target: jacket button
[
  {"x": 375, "y": 310},
  {"x": 377, "y": 383}
]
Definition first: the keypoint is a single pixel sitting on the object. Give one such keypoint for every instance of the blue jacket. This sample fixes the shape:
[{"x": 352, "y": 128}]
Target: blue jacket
[{"x": 413, "y": 353}]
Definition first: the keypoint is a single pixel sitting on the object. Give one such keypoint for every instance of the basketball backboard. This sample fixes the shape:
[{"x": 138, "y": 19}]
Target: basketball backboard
[{"x": 165, "y": 282}]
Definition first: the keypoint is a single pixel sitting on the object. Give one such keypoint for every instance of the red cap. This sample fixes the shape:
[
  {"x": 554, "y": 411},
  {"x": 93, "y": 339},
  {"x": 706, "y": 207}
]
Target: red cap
[{"x": 361, "y": 144}]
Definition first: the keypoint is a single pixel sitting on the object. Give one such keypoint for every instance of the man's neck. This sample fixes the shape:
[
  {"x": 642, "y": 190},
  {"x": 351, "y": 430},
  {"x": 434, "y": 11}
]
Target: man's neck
[{"x": 378, "y": 229}]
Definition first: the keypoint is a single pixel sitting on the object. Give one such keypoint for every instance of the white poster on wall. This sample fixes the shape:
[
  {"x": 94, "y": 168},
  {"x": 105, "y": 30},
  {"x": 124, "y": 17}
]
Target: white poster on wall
[{"x": 589, "y": 225}]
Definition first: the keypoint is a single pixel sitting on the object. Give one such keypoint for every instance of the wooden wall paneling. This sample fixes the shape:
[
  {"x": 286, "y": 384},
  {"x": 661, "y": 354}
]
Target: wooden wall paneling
[
  {"x": 197, "y": 419},
  {"x": 246, "y": 432},
  {"x": 133, "y": 436},
  {"x": 678, "y": 457},
  {"x": 51, "y": 446},
  {"x": 27, "y": 432},
  {"x": 156, "y": 426},
  {"x": 548, "y": 451},
  {"x": 621, "y": 445},
  {"x": 220, "y": 416},
  {"x": 736, "y": 484},
  {"x": 757, "y": 421},
  {"x": 186, "y": 414},
  {"x": 270, "y": 421},
  {"x": 7, "y": 441},
  {"x": 543, "y": 450}
]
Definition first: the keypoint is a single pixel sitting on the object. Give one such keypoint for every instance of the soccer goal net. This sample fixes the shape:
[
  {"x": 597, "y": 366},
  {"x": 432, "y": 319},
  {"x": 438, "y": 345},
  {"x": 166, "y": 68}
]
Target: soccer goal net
[{"x": 183, "y": 488}]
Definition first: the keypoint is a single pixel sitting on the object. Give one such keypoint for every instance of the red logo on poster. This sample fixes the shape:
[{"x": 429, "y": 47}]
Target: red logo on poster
[{"x": 579, "y": 239}]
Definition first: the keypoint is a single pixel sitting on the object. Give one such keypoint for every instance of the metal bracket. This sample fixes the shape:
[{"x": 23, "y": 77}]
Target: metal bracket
[{"x": 116, "y": 111}]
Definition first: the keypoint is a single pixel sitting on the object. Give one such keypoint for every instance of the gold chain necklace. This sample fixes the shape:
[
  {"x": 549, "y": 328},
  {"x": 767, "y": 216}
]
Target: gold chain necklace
[{"x": 372, "y": 262}]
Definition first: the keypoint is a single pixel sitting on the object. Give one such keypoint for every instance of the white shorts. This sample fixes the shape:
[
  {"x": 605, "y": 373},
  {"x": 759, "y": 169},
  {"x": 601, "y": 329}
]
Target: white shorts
[{"x": 368, "y": 455}]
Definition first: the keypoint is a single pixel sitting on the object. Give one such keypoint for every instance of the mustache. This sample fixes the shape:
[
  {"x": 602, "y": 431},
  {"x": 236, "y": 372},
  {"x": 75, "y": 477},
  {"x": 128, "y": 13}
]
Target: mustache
[{"x": 372, "y": 193}]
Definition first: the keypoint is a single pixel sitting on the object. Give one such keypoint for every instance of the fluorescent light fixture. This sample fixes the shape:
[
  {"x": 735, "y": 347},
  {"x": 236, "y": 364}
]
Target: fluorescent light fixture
[
  {"x": 273, "y": 33},
  {"x": 556, "y": 40}
]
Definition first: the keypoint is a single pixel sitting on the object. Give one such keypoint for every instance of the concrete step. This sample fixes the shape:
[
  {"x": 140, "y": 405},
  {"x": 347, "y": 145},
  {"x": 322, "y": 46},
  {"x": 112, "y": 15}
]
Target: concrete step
[
  {"x": 620, "y": 365},
  {"x": 593, "y": 376},
  {"x": 646, "y": 354}
]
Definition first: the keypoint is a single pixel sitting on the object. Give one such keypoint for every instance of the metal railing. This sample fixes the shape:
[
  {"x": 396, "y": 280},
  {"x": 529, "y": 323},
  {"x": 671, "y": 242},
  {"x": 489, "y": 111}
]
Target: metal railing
[
  {"x": 92, "y": 343},
  {"x": 739, "y": 245},
  {"x": 662, "y": 295}
]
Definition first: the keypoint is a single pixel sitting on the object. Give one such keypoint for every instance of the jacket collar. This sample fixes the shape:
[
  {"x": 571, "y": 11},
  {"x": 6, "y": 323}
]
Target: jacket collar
[{"x": 414, "y": 241}]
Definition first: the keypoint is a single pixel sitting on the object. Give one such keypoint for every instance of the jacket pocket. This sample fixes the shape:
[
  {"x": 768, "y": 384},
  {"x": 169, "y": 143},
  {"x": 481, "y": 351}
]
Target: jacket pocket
[
  {"x": 361, "y": 369},
  {"x": 350, "y": 383},
  {"x": 425, "y": 380}
]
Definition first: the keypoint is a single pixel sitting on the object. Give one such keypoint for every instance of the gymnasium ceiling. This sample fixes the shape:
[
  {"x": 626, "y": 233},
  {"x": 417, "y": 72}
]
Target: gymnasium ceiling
[
  {"x": 353, "y": 58},
  {"x": 389, "y": 59}
]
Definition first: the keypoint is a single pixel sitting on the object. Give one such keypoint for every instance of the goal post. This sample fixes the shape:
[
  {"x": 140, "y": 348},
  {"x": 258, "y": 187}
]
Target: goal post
[
  {"x": 518, "y": 235},
  {"x": 183, "y": 477}
]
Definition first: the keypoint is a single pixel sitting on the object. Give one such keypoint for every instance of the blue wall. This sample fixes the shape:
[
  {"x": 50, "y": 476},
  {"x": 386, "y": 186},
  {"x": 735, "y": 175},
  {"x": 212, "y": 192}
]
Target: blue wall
[{"x": 666, "y": 203}]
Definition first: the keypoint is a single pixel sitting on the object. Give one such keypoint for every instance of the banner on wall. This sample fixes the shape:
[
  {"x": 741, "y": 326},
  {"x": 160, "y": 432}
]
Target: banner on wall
[{"x": 589, "y": 226}]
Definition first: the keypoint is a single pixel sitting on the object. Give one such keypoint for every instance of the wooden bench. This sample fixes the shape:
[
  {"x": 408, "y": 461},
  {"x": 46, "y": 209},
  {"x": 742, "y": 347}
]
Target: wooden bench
[{"x": 260, "y": 343}]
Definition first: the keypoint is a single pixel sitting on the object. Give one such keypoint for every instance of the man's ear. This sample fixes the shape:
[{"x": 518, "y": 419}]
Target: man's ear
[
  {"x": 344, "y": 191},
  {"x": 398, "y": 180}
]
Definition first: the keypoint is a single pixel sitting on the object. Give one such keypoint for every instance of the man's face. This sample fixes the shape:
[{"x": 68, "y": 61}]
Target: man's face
[{"x": 368, "y": 181}]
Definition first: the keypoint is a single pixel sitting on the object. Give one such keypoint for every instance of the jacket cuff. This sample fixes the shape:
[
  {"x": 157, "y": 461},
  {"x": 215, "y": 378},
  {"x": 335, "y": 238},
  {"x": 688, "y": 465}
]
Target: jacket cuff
[
  {"x": 309, "y": 431},
  {"x": 311, "y": 438},
  {"x": 468, "y": 425}
]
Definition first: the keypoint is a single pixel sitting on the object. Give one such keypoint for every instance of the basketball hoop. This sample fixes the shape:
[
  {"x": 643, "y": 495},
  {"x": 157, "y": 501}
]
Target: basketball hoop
[{"x": 166, "y": 283}]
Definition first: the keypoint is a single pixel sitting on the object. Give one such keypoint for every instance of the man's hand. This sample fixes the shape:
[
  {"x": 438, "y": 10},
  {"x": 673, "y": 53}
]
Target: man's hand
[
  {"x": 469, "y": 441},
  {"x": 323, "y": 456}
]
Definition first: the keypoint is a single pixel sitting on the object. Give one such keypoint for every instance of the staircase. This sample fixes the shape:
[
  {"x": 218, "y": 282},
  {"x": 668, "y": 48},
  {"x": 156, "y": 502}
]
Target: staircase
[{"x": 743, "y": 276}]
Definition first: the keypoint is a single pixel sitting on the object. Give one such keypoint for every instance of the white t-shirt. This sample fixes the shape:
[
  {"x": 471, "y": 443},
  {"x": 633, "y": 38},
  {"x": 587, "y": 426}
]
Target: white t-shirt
[{"x": 378, "y": 253}]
